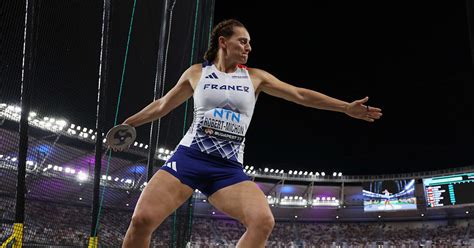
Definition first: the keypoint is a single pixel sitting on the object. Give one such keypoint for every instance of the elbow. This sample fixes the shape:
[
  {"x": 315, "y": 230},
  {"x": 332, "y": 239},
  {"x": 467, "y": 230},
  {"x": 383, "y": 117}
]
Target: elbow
[{"x": 301, "y": 97}]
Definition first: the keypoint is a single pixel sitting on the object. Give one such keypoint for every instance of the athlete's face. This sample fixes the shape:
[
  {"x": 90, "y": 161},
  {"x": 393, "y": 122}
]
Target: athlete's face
[{"x": 237, "y": 47}]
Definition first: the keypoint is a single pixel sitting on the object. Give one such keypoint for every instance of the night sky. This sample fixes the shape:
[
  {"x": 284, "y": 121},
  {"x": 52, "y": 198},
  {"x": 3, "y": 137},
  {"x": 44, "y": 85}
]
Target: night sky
[{"x": 412, "y": 59}]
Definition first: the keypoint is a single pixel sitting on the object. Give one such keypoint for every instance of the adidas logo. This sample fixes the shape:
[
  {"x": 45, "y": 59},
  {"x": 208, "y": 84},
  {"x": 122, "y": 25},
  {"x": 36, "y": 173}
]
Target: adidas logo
[
  {"x": 212, "y": 75},
  {"x": 172, "y": 165}
]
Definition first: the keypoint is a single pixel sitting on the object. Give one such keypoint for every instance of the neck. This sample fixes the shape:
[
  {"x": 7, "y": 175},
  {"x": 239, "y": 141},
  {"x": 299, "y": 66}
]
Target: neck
[{"x": 224, "y": 65}]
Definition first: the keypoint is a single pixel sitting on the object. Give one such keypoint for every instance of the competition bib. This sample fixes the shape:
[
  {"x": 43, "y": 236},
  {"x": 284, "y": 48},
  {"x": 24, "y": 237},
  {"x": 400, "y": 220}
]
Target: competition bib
[{"x": 224, "y": 124}]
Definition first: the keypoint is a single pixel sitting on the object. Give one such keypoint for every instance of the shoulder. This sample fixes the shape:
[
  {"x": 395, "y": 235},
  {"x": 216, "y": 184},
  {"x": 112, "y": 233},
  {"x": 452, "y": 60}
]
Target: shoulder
[
  {"x": 196, "y": 68},
  {"x": 193, "y": 74},
  {"x": 259, "y": 74},
  {"x": 193, "y": 71}
]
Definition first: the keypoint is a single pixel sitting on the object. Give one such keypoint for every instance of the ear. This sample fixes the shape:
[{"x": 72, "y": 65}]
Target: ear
[{"x": 222, "y": 42}]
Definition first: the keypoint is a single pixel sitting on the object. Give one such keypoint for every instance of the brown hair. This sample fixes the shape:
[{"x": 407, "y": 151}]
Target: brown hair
[{"x": 224, "y": 28}]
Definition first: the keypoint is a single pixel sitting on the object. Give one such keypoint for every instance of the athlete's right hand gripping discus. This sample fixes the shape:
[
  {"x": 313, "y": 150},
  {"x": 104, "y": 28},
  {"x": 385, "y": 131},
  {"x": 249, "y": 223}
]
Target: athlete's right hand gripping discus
[{"x": 120, "y": 137}]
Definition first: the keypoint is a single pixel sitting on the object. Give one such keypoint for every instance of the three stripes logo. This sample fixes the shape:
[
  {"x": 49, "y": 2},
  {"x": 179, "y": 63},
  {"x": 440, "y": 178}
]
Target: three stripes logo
[
  {"x": 212, "y": 76},
  {"x": 172, "y": 165}
]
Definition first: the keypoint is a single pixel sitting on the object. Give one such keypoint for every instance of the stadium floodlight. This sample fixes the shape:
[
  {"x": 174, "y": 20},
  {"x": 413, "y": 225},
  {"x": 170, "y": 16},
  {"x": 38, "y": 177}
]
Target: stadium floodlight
[
  {"x": 73, "y": 126},
  {"x": 245, "y": 171},
  {"x": 32, "y": 114},
  {"x": 333, "y": 198},
  {"x": 422, "y": 215},
  {"x": 282, "y": 171},
  {"x": 80, "y": 198},
  {"x": 127, "y": 204},
  {"x": 379, "y": 216},
  {"x": 161, "y": 150},
  {"x": 251, "y": 167},
  {"x": 290, "y": 172},
  {"x": 296, "y": 216},
  {"x": 50, "y": 166},
  {"x": 323, "y": 198},
  {"x": 277, "y": 171},
  {"x": 213, "y": 212},
  {"x": 67, "y": 170},
  {"x": 128, "y": 181},
  {"x": 52, "y": 120},
  {"x": 167, "y": 151},
  {"x": 271, "y": 170},
  {"x": 85, "y": 135},
  {"x": 1, "y": 155},
  {"x": 146, "y": 146},
  {"x": 317, "y": 198},
  {"x": 84, "y": 130},
  {"x": 104, "y": 177},
  {"x": 265, "y": 170},
  {"x": 61, "y": 123},
  {"x": 93, "y": 137},
  {"x": 81, "y": 176},
  {"x": 78, "y": 128},
  {"x": 317, "y": 174},
  {"x": 103, "y": 141},
  {"x": 204, "y": 200},
  {"x": 467, "y": 212},
  {"x": 286, "y": 197},
  {"x": 269, "y": 196},
  {"x": 140, "y": 145},
  {"x": 91, "y": 131},
  {"x": 339, "y": 174},
  {"x": 337, "y": 216},
  {"x": 246, "y": 167},
  {"x": 109, "y": 178},
  {"x": 311, "y": 173},
  {"x": 334, "y": 174},
  {"x": 145, "y": 183},
  {"x": 300, "y": 173},
  {"x": 17, "y": 109},
  {"x": 135, "y": 143},
  {"x": 305, "y": 173},
  {"x": 301, "y": 198},
  {"x": 116, "y": 179},
  {"x": 323, "y": 174}
]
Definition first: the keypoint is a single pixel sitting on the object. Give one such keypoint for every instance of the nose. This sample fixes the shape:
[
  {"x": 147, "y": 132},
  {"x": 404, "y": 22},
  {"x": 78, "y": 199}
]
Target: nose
[{"x": 248, "y": 48}]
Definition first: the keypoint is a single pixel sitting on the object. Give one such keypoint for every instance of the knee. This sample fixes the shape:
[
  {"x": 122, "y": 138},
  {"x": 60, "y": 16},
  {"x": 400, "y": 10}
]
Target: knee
[
  {"x": 142, "y": 222},
  {"x": 262, "y": 223}
]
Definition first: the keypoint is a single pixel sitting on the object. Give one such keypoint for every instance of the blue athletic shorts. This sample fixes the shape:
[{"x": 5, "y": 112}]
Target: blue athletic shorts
[{"x": 202, "y": 171}]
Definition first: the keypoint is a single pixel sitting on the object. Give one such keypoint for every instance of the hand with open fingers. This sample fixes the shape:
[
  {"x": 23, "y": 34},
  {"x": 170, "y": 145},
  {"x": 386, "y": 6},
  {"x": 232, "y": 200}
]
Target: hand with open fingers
[
  {"x": 357, "y": 109},
  {"x": 120, "y": 137}
]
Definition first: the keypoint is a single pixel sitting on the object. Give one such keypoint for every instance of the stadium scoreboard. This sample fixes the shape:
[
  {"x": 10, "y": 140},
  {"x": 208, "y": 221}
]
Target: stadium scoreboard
[{"x": 449, "y": 190}]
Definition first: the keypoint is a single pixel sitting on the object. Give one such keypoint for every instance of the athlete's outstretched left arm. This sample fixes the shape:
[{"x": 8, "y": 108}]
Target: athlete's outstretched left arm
[{"x": 310, "y": 98}]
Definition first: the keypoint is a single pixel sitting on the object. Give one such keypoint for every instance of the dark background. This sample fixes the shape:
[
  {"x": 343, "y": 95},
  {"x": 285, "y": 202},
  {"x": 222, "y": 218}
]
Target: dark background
[{"x": 412, "y": 59}]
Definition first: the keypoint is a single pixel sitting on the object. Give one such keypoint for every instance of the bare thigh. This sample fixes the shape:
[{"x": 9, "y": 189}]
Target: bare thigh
[
  {"x": 161, "y": 196},
  {"x": 243, "y": 201}
]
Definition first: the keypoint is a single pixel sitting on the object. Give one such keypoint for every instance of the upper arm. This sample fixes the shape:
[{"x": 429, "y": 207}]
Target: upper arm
[
  {"x": 181, "y": 92},
  {"x": 275, "y": 87}
]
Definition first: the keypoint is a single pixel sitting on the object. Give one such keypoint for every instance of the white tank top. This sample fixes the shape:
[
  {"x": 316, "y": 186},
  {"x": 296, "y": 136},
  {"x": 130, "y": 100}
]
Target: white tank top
[{"x": 223, "y": 108}]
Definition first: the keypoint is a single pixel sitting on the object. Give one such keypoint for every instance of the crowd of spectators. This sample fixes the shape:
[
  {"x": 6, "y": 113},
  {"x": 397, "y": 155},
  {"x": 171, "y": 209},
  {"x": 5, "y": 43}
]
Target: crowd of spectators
[{"x": 49, "y": 223}]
